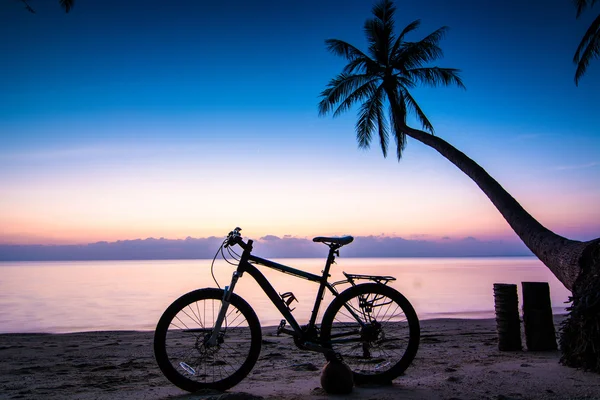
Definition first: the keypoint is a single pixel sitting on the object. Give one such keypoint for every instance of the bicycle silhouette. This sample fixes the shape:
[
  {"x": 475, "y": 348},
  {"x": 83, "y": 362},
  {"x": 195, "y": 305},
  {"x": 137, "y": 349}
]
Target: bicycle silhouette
[{"x": 211, "y": 338}]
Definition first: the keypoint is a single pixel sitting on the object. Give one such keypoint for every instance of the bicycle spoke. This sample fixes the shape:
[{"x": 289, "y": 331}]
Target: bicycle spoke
[
  {"x": 186, "y": 341},
  {"x": 371, "y": 331}
]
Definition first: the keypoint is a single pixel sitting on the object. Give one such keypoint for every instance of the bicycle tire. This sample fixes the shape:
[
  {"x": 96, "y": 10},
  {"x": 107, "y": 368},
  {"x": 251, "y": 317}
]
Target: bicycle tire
[
  {"x": 183, "y": 330},
  {"x": 379, "y": 350}
]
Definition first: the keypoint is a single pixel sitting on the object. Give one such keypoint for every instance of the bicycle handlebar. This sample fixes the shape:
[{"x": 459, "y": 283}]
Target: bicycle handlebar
[{"x": 234, "y": 237}]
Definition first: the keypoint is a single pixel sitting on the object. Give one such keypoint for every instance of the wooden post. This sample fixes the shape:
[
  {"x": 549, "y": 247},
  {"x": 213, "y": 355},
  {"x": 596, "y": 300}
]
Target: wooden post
[
  {"x": 508, "y": 324},
  {"x": 537, "y": 317}
]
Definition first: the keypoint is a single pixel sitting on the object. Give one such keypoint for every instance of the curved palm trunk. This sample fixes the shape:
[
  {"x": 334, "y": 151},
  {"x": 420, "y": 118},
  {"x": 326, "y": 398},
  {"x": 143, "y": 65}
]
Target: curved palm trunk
[
  {"x": 576, "y": 264},
  {"x": 559, "y": 254},
  {"x": 564, "y": 257}
]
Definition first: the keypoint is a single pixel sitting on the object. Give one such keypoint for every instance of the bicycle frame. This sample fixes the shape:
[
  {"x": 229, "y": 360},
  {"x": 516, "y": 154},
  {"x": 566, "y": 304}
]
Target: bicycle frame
[
  {"x": 276, "y": 298},
  {"x": 245, "y": 266}
]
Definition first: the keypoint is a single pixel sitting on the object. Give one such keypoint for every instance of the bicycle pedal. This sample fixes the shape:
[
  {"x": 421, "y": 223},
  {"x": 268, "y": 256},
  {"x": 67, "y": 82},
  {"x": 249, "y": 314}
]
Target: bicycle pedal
[{"x": 281, "y": 327}]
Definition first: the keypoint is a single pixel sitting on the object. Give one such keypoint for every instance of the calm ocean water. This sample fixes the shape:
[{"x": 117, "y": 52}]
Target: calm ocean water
[{"x": 131, "y": 295}]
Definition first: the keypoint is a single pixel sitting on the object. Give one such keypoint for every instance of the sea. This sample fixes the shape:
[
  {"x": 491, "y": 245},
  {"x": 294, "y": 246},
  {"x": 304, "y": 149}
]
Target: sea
[{"x": 77, "y": 296}]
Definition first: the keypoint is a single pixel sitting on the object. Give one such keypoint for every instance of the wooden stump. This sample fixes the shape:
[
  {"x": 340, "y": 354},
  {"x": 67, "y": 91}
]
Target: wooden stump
[
  {"x": 537, "y": 317},
  {"x": 508, "y": 324}
]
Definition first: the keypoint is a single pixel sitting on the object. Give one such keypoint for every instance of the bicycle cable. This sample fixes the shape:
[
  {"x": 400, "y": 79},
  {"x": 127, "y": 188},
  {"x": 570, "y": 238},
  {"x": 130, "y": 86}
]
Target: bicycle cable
[
  {"x": 225, "y": 257},
  {"x": 212, "y": 265},
  {"x": 232, "y": 254},
  {"x": 235, "y": 255}
]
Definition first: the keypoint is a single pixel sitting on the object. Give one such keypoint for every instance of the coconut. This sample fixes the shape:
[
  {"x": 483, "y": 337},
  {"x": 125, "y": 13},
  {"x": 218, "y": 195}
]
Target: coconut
[{"x": 337, "y": 377}]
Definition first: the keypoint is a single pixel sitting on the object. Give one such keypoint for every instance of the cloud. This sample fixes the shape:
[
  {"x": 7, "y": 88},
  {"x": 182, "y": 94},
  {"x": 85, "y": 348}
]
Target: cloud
[
  {"x": 269, "y": 246},
  {"x": 417, "y": 236},
  {"x": 270, "y": 237}
]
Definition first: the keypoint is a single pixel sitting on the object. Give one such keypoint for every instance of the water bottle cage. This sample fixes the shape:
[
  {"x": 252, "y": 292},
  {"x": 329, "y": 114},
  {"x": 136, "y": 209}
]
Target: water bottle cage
[{"x": 288, "y": 298}]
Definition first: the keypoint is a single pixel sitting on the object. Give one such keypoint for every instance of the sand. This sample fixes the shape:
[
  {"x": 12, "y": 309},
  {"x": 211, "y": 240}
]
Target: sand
[{"x": 457, "y": 359}]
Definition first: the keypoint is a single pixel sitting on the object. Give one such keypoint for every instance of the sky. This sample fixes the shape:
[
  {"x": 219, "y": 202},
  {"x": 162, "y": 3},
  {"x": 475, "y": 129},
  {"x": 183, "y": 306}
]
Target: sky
[{"x": 127, "y": 120}]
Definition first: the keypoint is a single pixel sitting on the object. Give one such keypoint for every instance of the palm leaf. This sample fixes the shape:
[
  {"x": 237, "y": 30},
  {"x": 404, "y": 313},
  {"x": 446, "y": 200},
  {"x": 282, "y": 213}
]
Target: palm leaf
[
  {"x": 412, "y": 104},
  {"x": 409, "y": 28},
  {"x": 405, "y": 81},
  {"x": 67, "y": 4},
  {"x": 368, "y": 121},
  {"x": 363, "y": 92},
  {"x": 588, "y": 49},
  {"x": 398, "y": 122},
  {"x": 372, "y": 33},
  {"x": 362, "y": 65},
  {"x": 358, "y": 61},
  {"x": 436, "y": 76},
  {"x": 415, "y": 54},
  {"x": 379, "y": 31},
  {"x": 384, "y": 14},
  {"x": 338, "y": 89},
  {"x": 344, "y": 49},
  {"x": 582, "y": 5},
  {"x": 28, "y": 7},
  {"x": 383, "y": 131}
]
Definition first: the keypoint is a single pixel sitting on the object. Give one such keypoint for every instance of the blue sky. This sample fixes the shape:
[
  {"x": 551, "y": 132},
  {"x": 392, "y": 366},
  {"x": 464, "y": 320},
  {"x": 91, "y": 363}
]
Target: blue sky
[{"x": 122, "y": 120}]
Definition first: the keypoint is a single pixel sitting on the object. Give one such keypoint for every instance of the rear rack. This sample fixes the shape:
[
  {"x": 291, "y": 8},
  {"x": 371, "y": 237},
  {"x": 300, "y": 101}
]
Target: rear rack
[{"x": 350, "y": 278}]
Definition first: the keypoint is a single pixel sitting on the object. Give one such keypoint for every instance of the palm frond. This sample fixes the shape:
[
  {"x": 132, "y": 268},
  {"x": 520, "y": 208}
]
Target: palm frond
[
  {"x": 67, "y": 4},
  {"x": 358, "y": 61},
  {"x": 372, "y": 33},
  {"x": 380, "y": 31},
  {"x": 588, "y": 49},
  {"x": 436, "y": 76},
  {"x": 412, "y": 105},
  {"x": 369, "y": 117},
  {"x": 362, "y": 65},
  {"x": 403, "y": 80},
  {"x": 581, "y": 5},
  {"x": 338, "y": 89},
  {"x": 409, "y": 28},
  {"x": 383, "y": 131},
  {"x": 363, "y": 92},
  {"x": 384, "y": 13},
  {"x": 28, "y": 7},
  {"x": 398, "y": 121},
  {"x": 416, "y": 54},
  {"x": 343, "y": 49}
]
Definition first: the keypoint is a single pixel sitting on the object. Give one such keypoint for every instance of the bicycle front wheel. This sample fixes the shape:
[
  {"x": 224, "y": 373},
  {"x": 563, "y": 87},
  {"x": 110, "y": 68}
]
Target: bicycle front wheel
[
  {"x": 375, "y": 330},
  {"x": 181, "y": 341}
]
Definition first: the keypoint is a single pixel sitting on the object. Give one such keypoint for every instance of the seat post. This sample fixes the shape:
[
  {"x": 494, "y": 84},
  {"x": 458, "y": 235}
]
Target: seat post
[
  {"x": 333, "y": 251},
  {"x": 321, "y": 292}
]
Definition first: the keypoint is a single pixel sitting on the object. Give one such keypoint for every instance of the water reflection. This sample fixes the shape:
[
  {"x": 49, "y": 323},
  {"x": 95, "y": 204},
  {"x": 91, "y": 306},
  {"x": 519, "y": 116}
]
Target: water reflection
[{"x": 131, "y": 295}]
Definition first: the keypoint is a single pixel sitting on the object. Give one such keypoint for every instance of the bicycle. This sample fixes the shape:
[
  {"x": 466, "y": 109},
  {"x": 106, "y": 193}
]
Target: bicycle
[{"x": 211, "y": 338}]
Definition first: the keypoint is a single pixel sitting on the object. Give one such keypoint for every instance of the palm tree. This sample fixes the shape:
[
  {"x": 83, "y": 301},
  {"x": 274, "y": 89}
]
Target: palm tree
[
  {"x": 67, "y": 5},
  {"x": 589, "y": 47},
  {"x": 381, "y": 80}
]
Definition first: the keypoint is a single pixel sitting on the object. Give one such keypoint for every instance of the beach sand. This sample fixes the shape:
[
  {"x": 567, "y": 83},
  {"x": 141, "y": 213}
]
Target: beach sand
[{"x": 457, "y": 359}]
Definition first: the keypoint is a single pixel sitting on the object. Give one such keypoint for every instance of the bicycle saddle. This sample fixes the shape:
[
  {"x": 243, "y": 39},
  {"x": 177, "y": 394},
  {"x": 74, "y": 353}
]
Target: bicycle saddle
[{"x": 335, "y": 240}]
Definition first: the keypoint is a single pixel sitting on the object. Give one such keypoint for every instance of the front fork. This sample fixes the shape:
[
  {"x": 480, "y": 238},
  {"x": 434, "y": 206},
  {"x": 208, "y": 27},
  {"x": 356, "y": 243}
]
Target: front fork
[{"x": 228, "y": 290}]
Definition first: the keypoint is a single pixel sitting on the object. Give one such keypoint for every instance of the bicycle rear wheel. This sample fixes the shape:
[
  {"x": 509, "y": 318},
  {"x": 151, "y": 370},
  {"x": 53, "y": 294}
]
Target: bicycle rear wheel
[
  {"x": 182, "y": 333},
  {"x": 375, "y": 330}
]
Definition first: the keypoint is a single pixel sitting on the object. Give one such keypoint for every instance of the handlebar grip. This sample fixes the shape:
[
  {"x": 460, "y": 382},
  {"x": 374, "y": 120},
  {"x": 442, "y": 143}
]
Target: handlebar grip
[{"x": 234, "y": 238}]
